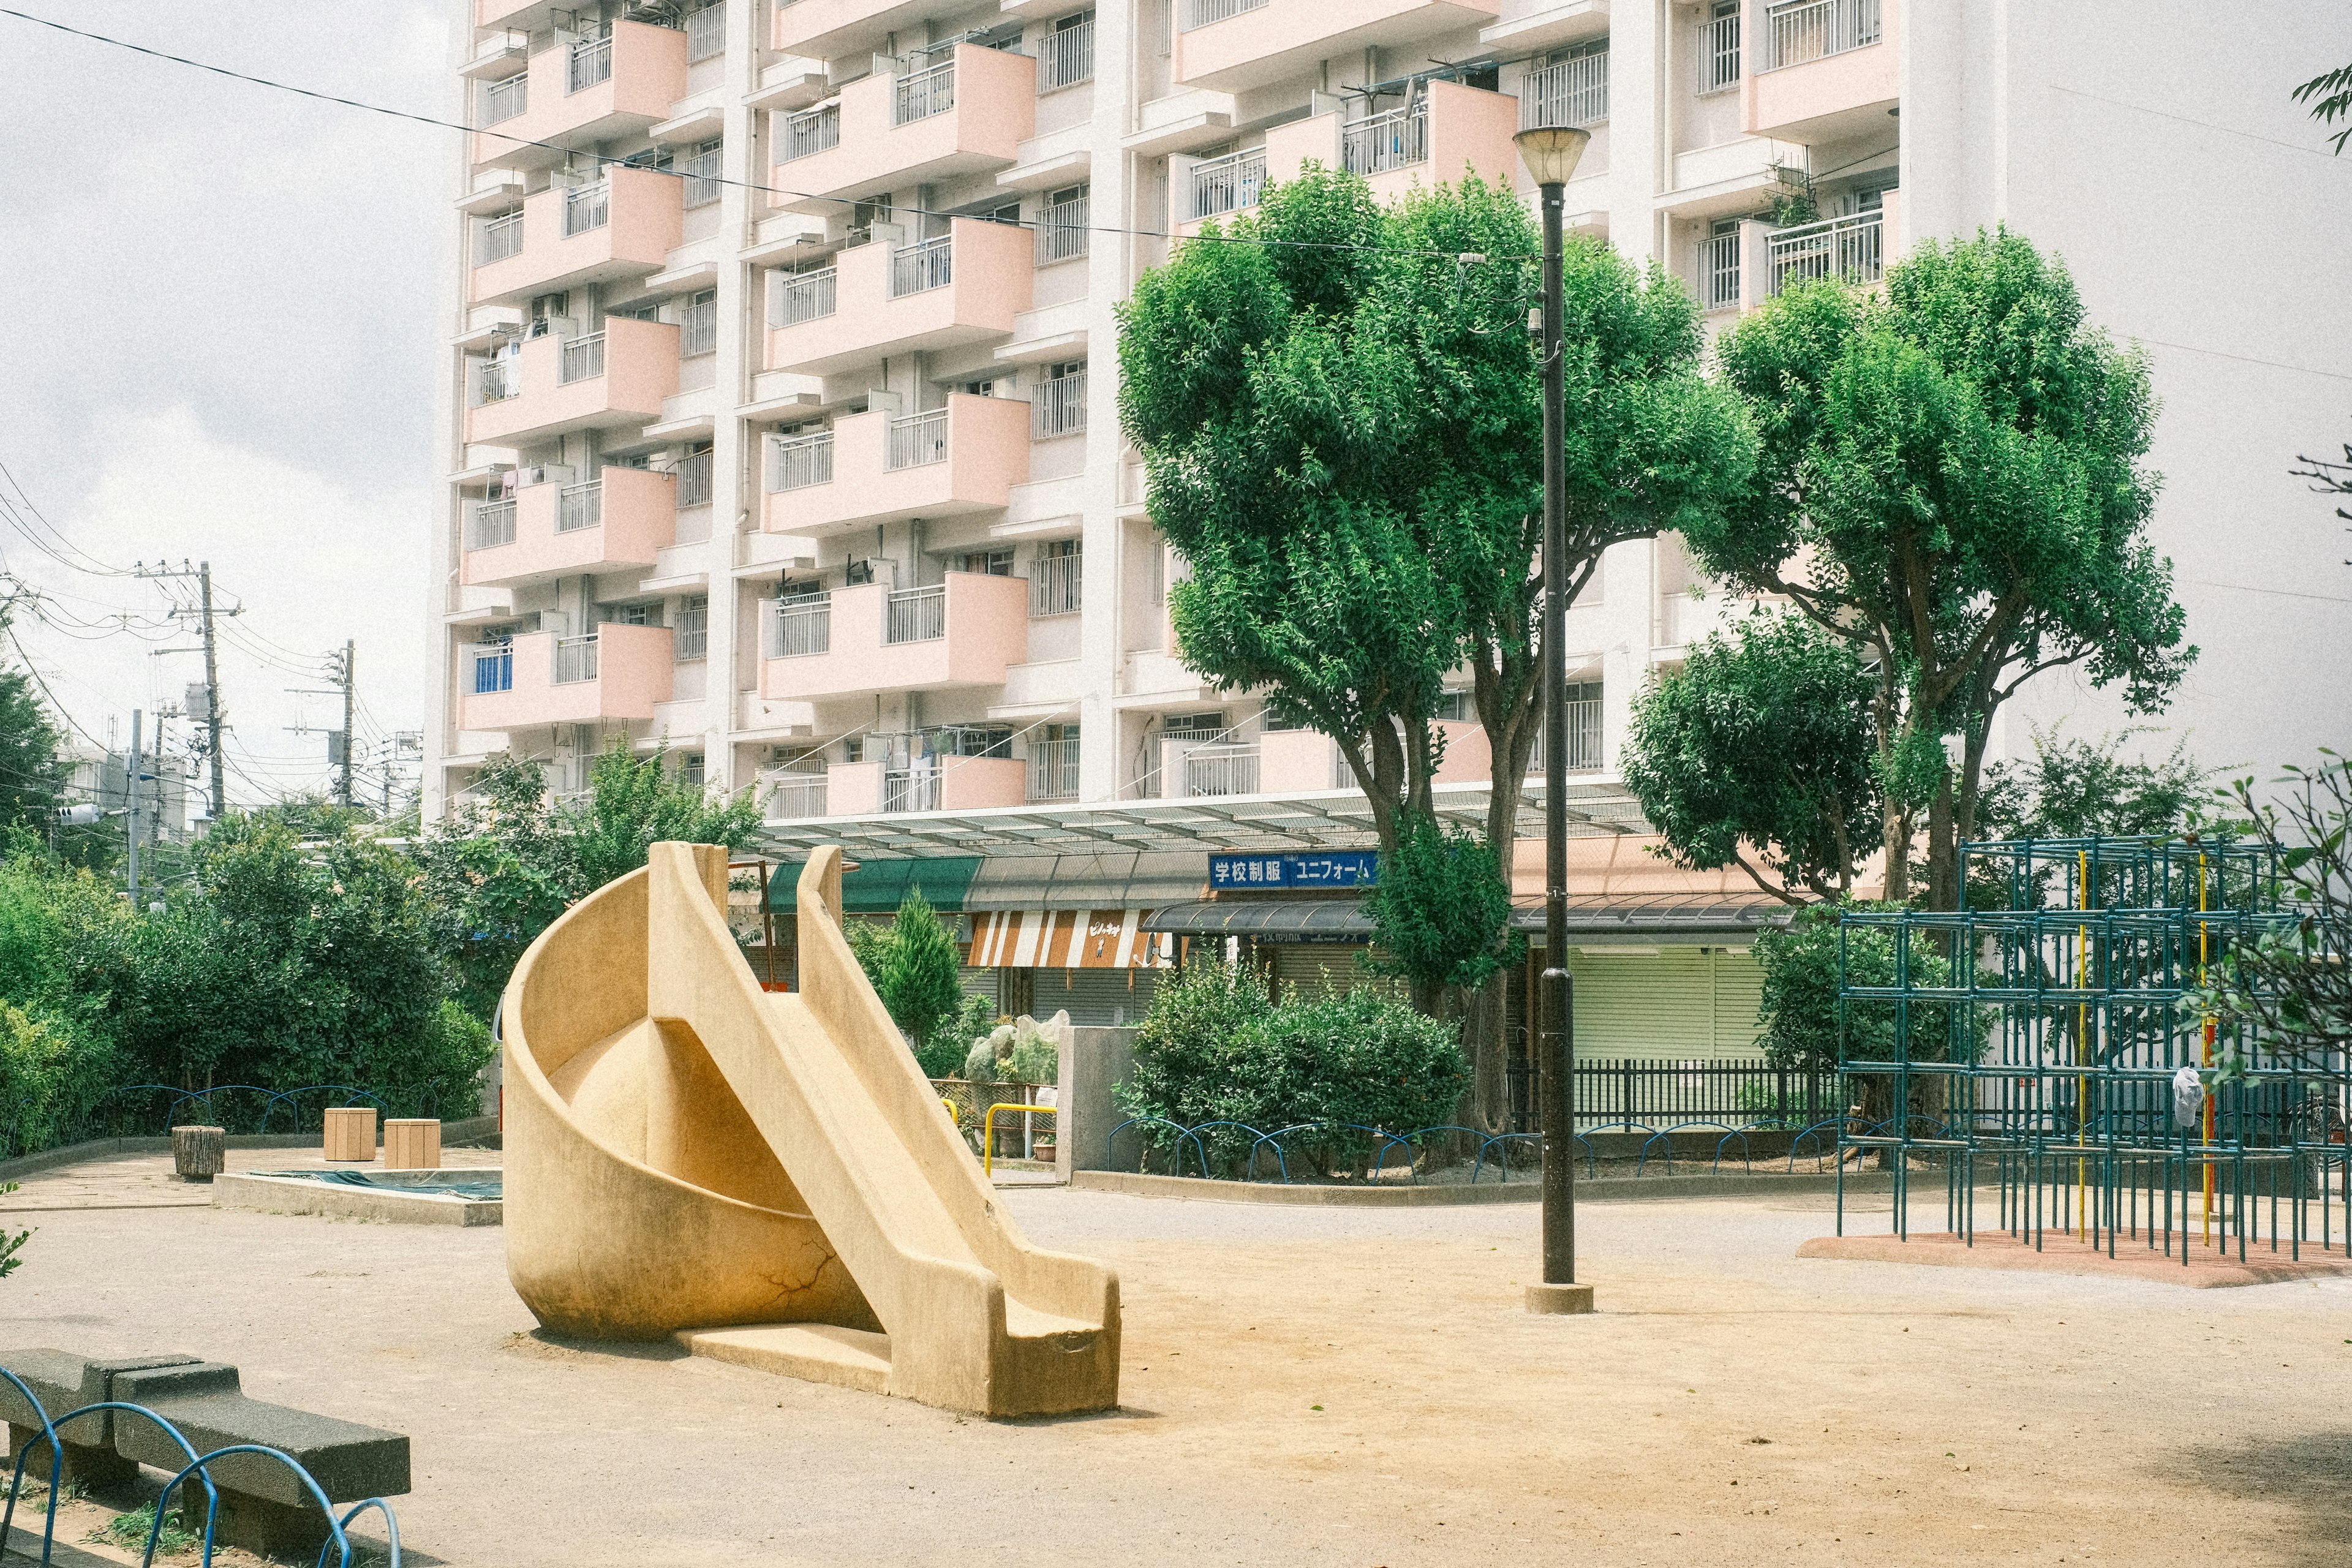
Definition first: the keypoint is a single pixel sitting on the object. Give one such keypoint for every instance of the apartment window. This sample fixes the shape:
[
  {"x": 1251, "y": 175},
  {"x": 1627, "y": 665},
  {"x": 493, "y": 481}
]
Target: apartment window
[
  {"x": 1063, "y": 231},
  {"x": 1053, "y": 763},
  {"x": 706, "y": 35},
  {"x": 1457, "y": 707},
  {"x": 689, "y": 770},
  {"x": 1718, "y": 49},
  {"x": 1572, "y": 90},
  {"x": 694, "y": 475},
  {"x": 693, "y": 636},
  {"x": 697, "y": 325},
  {"x": 494, "y": 668},
  {"x": 1200, "y": 13},
  {"x": 1584, "y": 742},
  {"x": 1065, "y": 56},
  {"x": 1801, "y": 30},
  {"x": 1056, "y": 579},
  {"x": 1059, "y": 404},
  {"x": 701, "y": 171},
  {"x": 977, "y": 388},
  {"x": 1719, "y": 265},
  {"x": 1193, "y": 726},
  {"x": 628, "y": 614},
  {"x": 986, "y": 562},
  {"x": 970, "y": 740}
]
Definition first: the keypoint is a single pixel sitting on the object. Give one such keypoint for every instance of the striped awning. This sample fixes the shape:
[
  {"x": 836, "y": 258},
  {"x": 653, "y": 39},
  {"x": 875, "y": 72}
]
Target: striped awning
[{"x": 1068, "y": 938}]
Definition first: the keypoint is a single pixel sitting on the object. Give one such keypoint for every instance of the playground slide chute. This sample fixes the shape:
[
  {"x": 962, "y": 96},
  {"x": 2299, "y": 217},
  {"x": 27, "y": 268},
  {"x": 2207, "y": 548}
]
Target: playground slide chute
[{"x": 769, "y": 1178}]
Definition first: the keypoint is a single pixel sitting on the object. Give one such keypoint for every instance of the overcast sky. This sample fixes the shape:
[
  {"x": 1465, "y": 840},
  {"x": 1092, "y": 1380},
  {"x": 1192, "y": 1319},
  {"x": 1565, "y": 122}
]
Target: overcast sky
[{"x": 222, "y": 349}]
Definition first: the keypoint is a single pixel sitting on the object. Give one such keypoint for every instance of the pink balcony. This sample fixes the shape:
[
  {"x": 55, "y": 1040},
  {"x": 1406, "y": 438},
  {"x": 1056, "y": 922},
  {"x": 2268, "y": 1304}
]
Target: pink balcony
[
  {"x": 624, "y": 225},
  {"x": 828, "y": 29},
  {"x": 578, "y": 95},
  {"x": 1244, "y": 49},
  {"x": 1297, "y": 762},
  {"x": 554, "y": 386},
  {"x": 967, "y": 114},
  {"x": 964, "y": 632},
  {"x": 1468, "y": 758},
  {"x": 965, "y": 286},
  {"x": 622, "y": 518},
  {"x": 1821, "y": 71},
  {"x": 616, "y": 672},
  {"x": 881, "y": 467}
]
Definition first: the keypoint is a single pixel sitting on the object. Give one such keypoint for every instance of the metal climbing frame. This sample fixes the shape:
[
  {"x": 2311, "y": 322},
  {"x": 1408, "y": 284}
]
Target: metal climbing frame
[{"x": 2033, "y": 1050}]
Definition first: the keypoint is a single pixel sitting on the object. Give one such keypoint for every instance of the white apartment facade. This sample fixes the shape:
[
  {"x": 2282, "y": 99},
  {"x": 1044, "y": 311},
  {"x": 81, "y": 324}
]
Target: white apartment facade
[{"x": 820, "y": 485}]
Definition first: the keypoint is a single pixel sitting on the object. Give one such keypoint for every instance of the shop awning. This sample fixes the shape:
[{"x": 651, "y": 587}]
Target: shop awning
[
  {"x": 879, "y": 886},
  {"x": 1068, "y": 938},
  {"x": 1280, "y": 920}
]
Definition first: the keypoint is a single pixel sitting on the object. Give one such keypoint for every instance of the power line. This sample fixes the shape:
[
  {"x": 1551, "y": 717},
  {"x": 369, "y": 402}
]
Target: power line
[{"x": 569, "y": 152}]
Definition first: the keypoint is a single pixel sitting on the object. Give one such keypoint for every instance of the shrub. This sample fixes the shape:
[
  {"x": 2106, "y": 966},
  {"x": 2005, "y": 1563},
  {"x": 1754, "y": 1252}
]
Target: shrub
[
  {"x": 54, "y": 1071},
  {"x": 947, "y": 1053}
]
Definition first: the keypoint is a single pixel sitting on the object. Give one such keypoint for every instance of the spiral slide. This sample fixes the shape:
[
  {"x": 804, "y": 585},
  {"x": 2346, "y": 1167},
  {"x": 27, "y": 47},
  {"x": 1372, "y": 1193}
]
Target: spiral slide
[{"x": 767, "y": 1178}]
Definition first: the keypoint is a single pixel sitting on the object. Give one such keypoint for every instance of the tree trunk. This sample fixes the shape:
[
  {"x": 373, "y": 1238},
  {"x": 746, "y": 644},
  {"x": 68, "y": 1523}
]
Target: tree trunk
[{"x": 1485, "y": 1037}]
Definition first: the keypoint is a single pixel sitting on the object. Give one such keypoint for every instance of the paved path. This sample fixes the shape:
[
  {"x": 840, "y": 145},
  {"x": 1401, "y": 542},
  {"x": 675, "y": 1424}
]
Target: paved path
[
  {"x": 1309, "y": 1386},
  {"x": 146, "y": 1182}
]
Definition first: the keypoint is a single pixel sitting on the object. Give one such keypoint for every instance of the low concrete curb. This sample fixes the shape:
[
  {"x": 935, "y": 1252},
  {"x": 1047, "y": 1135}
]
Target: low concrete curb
[
  {"x": 278, "y": 1194},
  {"x": 1611, "y": 1189},
  {"x": 452, "y": 1135}
]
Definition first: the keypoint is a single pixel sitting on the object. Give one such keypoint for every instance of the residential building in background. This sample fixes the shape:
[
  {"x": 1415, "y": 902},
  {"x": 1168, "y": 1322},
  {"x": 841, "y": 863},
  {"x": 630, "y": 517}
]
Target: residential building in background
[{"x": 822, "y": 486}]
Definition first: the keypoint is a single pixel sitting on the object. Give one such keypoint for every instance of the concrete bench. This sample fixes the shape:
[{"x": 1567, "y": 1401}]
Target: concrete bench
[{"x": 263, "y": 1505}]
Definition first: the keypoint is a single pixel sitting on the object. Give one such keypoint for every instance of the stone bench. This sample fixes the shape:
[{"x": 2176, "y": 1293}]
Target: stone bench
[{"x": 263, "y": 1505}]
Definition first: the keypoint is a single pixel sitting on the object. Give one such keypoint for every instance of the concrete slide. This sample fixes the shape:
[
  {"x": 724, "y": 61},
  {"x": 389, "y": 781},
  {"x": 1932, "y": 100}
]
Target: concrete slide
[{"x": 768, "y": 1178}]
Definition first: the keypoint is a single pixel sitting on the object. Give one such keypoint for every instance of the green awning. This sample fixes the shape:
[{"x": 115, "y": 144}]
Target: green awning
[{"x": 879, "y": 886}]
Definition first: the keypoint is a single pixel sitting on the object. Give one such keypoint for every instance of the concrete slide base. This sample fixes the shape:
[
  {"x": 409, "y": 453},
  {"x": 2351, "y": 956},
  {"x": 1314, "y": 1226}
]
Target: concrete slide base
[{"x": 818, "y": 1352}]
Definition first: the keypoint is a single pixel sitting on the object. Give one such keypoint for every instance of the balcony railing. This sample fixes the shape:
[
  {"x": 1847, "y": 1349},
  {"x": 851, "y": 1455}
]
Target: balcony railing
[
  {"x": 499, "y": 239},
  {"x": 575, "y": 659},
  {"x": 583, "y": 360},
  {"x": 1396, "y": 140},
  {"x": 505, "y": 100},
  {"x": 1584, "y": 739},
  {"x": 697, "y": 329},
  {"x": 1228, "y": 183},
  {"x": 916, "y": 614},
  {"x": 580, "y": 506},
  {"x": 492, "y": 524},
  {"x": 1204, "y": 13},
  {"x": 799, "y": 625},
  {"x": 701, "y": 182},
  {"x": 694, "y": 474},
  {"x": 500, "y": 379},
  {"x": 1221, "y": 770},
  {"x": 1852, "y": 247},
  {"x": 1066, "y": 57},
  {"x": 587, "y": 207},
  {"x": 1063, "y": 231},
  {"x": 807, "y": 296},
  {"x": 924, "y": 94},
  {"x": 1718, "y": 54},
  {"x": 706, "y": 33},
  {"x": 796, "y": 462},
  {"x": 796, "y": 795},
  {"x": 1718, "y": 268},
  {"x": 591, "y": 63},
  {"x": 1058, "y": 406},
  {"x": 692, "y": 638},
  {"x": 1055, "y": 584},
  {"x": 1571, "y": 93},
  {"x": 810, "y": 132},
  {"x": 1813, "y": 29},
  {"x": 917, "y": 268},
  {"x": 494, "y": 669},
  {"x": 1054, "y": 769},
  {"x": 911, "y": 789},
  {"x": 917, "y": 439}
]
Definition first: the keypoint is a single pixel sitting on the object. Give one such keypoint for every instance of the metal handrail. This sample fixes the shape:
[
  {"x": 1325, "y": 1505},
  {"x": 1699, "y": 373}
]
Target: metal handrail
[
  {"x": 911, "y": 789},
  {"x": 591, "y": 62},
  {"x": 1815, "y": 29},
  {"x": 579, "y": 507},
  {"x": 701, "y": 184},
  {"x": 1573, "y": 92},
  {"x": 583, "y": 359},
  {"x": 807, "y": 297},
  {"x": 499, "y": 239},
  {"x": 916, "y": 614},
  {"x": 587, "y": 207},
  {"x": 1718, "y": 54},
  {"x": 1055, "y": 584},
  {"x": 1066, "y": 57},
  {"x": 924, "y": 93},
  {"x": 1206, "y": 13},
  {"x": 793, "y": 795},
  {"x": 492, "y": 524},
  {"x": 695, "y": 473},
  {"x": 798, "y": 625},
  {"x": 1718, "y": 265},
  {"x": 1396, "y": 140},
  {"x": 1054, "y": 769},
  {"x": 917, "y": 439},
  {"x": 1058, "y": 406},
  {"x": 1852, "y": 247},
  {"x": 575, "y": 660},
  {"x": 1063, "y": 231},
  {"x": 697, "y": 329},
  {"x": 706, "y": 32},
  {"x": 500, "y": 379},
  {"x": 1228, "y": 183},
  {"x": 796, "y": 462},
  {"x": 494, "y": 669},
  {"x": 810, "y": 132},
  {"x": 922, "y": 267},
  {"x": 1214, "y": 770},
  {"x": 502, "y": 101}
]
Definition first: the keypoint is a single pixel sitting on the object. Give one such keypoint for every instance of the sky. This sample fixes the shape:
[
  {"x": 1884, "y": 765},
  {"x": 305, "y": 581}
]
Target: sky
[{"x": 223, "y": 349}]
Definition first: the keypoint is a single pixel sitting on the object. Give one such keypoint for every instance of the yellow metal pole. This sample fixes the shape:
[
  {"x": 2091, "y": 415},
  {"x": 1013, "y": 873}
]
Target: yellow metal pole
[{"x": 988, "y": 1130}]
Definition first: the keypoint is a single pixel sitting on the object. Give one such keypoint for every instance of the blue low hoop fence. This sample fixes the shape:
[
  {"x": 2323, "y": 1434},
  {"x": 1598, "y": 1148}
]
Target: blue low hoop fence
[{"x": 338, "y": 1548}]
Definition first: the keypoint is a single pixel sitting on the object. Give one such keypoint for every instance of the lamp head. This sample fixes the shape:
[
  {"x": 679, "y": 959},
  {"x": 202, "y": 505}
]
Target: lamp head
[{"x": 1551, "y": 152}]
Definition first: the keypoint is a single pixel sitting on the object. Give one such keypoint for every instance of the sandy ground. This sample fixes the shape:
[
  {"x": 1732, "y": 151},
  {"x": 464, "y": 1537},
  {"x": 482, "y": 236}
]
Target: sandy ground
[{"x": 1307, "y": 1386}]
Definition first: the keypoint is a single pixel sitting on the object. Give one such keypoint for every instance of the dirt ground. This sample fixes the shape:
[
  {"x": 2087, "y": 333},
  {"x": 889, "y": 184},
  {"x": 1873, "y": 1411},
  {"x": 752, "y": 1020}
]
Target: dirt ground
[{"x": 1333, "y": 1386}]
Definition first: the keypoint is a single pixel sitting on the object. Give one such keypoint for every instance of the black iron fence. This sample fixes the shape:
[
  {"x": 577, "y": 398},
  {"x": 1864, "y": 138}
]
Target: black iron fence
[{"x": 1653, "y": 1093}]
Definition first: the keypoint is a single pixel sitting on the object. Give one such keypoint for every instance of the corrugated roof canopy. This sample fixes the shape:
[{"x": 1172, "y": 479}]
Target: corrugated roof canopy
[{"x": 879, "y": 886}]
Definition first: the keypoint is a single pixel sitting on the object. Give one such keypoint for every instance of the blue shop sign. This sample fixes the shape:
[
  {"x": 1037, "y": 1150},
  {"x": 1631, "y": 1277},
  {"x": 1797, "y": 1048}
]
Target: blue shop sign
[{"x": 1325, "y": 869}]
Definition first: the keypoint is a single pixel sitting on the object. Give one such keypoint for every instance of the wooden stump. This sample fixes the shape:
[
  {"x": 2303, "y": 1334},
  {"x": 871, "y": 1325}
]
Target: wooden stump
[
  {"x": 412, "y": 1144},
  {"x": 351, "y": 1133},
  {"x": 198, "y": 1153}
]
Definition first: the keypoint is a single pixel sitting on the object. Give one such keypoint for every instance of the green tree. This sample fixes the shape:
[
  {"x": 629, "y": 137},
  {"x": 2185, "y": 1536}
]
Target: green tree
[
  {"x": 33, "y": 769},
  {"x": 921, "y": 981},
  {"x": 2329, "y": 96},
  {"x": 1951, "y": 478},
  {"x": 1762, "y": 739},
  {"x": 634, "y": 803},
  {"x": 1441, "y": 910}
]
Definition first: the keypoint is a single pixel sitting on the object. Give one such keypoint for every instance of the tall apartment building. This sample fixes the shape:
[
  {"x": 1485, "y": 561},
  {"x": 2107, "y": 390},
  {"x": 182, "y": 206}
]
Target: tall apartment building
[{"x": 821, "y": 484}]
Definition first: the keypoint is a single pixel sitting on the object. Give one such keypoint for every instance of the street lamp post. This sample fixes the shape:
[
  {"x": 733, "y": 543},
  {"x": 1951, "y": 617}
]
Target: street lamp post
[{"x": 1550, "y": 153}]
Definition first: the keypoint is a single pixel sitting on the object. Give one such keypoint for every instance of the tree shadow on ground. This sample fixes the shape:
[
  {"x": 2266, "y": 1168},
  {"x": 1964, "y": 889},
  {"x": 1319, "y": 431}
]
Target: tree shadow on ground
[{"x": 2304, "y": 1472}]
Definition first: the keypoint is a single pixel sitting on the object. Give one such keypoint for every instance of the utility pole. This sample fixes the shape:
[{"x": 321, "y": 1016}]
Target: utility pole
[
  {"x": 215, "y": 721},
  {"x": 130, "y": 783},
  {"x": 351, "y": 655}
]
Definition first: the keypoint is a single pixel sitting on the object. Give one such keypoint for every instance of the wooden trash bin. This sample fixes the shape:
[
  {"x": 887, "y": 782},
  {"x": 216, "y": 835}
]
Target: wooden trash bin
[
  {"x": 198, "y": 1153},
  {"x": 412, "y": 1144},
  {"x": 351, "y": 1133}
]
